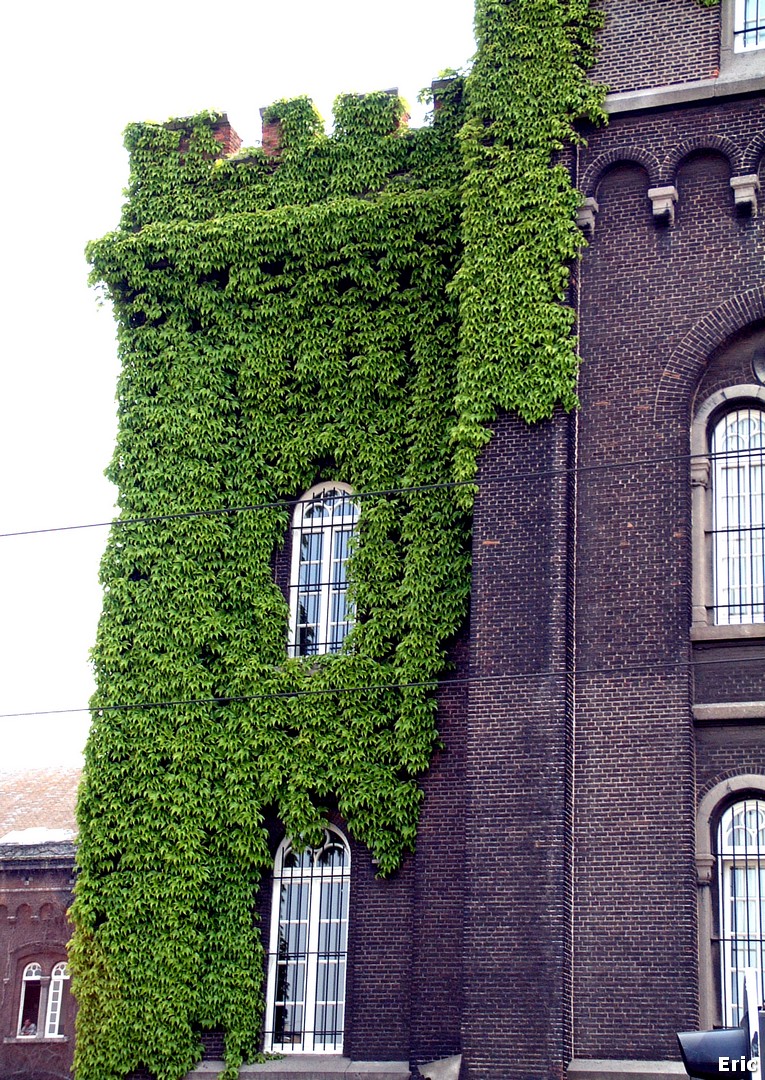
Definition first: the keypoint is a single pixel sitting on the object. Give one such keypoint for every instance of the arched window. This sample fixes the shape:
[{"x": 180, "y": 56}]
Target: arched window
[
  {"x": 29, "y": 1005},
  {"x": 58, "y": 977},
  {"x": 737, "y": 447},
  {"x": 322, "y": 526},
  {"x": 741, "y": 890},
  {"x": 305, "y": 1000}
]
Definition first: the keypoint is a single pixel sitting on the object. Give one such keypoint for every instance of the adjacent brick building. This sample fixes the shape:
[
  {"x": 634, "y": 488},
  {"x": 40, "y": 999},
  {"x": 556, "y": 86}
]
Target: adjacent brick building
[{"x": 36, "y": 878}]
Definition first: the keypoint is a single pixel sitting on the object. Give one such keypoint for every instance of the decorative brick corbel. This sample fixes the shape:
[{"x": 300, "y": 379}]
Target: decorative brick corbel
[
  {"x": 663, "y": 201},
  {"x": 745, "y": 190},
  {"x": 585, "y": 216}
]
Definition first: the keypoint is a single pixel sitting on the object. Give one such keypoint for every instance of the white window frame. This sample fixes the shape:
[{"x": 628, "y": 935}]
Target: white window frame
[
  {"x": 58, "y": 978},
  {"x": 706, "y": 625},
  {"x": 301, "y": 907},
  {"x": 325, "y": 516},
  {"x": 749, "y": 25},
  {"x": 739, "y": 60},
  {"x": 741, "y": 889},
  {"x": 32, "y": 974}
]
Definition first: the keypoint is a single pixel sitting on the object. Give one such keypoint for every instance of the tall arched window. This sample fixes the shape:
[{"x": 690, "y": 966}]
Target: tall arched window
[
  {"x": 737, "y": 447},
  {"x": 29, "y": 1005},
  {"x": 741, "y": 887},
  {"x": 322, "y": 526},
  {"x": 305, "y": 1000},
  {"x": 58, "y": 977}
]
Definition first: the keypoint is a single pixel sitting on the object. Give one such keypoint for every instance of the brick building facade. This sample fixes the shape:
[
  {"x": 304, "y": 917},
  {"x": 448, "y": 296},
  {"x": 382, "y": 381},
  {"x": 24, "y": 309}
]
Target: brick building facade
[
  {"x": 563, "y": 910},
  {"x": 564, "y": 904},
  {"x": 591, "y": 856},
  {"x": 36, "y": 878}
]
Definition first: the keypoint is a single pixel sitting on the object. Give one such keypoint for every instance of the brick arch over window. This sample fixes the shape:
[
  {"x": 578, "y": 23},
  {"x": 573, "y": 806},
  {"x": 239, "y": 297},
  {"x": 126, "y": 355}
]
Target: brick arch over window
[
  {"x": 716, "y": 144},
  {"x": 714, "y": 802},
  {"x": 751, "y": 158},
  {"x": 686, "y": 364},
  {"x": 619, "y": 155}
]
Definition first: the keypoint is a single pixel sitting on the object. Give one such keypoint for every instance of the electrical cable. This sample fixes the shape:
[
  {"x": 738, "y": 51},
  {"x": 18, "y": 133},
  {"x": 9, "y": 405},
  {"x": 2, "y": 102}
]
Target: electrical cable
[
  {"x": 278, "y": 504},
  {"x": 650, "y": 667}
]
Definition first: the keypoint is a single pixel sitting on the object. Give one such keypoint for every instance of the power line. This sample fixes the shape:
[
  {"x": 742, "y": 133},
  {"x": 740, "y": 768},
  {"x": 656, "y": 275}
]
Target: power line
[
  {"x": 650, "y": 667},
  {"x": 279, "y": 504}
]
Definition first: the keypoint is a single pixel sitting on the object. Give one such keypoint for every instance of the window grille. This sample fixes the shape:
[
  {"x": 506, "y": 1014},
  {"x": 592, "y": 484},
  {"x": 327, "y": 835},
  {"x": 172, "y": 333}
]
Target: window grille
[
  {"x": 58, "y": 977},
  {"x": 741, "y": 880},
  {"x": 749, "y": 30},
  {"x": 320, "y": 612},
  {"x": 305, "y": 1001},
  {"x": 738, "y": 527},
  {"x": 29, "y": 1005}
]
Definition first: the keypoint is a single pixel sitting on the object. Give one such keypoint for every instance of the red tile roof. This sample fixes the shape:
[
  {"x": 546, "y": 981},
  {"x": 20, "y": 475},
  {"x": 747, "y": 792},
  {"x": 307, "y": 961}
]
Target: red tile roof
[{"x": 38, "y": 799}]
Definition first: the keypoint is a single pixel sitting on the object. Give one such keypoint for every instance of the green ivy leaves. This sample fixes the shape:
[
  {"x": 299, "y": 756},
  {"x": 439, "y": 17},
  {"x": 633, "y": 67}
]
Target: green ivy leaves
[
  {"x": 274, "y": 333},
  {"x": 525, "y": 95},
  {"x": 358, "y": 309}
]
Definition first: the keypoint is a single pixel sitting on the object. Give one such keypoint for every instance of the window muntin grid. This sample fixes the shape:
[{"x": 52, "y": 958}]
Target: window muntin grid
[
  {"x": 58, "y": 977},
  {"x": 749, "y": 28},
  {"x": 305, "y": 1000},
  {"x": 29, "y": 1005},
  {"x": 738, "y": 512},
  {"x": 741, "y": 878},
  {"x": 320, "y": 613}
]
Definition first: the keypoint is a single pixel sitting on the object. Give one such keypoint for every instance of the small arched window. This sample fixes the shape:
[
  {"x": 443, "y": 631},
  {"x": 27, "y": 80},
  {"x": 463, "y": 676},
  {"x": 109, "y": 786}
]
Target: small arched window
[
  {"x": 305, "y": 999},
  {"x": 322, "y": 526},
  {"x": 737, "y": 447},
  {"x": 741, "y": 888},
  {"x": 58, "y": 977},
  {"x": 29, "y": 1005}
]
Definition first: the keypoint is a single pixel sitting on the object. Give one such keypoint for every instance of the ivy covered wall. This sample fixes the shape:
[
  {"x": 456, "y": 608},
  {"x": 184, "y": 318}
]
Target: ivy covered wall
[{"x": 356, "y": 309}]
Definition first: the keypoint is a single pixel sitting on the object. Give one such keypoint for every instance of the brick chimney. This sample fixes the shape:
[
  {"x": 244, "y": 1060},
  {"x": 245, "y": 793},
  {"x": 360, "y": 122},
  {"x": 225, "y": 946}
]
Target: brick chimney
[
  {"x": 226, "y": 136},
  {"x": 272, "y": 136}
]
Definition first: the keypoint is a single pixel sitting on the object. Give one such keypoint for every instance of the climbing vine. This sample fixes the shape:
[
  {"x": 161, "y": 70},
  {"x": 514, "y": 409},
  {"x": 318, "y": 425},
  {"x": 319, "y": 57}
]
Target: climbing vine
[
  {"x": 355, "y": 309},
  {"x": 527, "y": 92}
]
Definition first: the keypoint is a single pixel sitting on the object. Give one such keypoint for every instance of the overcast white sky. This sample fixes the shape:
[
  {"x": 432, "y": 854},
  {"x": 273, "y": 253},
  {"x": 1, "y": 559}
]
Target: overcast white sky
[{"x": 72, "y": 76}]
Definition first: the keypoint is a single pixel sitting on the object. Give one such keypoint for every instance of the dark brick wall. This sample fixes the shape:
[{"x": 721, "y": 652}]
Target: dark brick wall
[
  {"x": 439, "y": 884},
  {"x": 643, "y": 290},
  {"x": 516, "y": 799},
  {"x": 727, "y": 750},
  {"x": 733, "y": 366},
  {"x": 648, "y": 43},
  {"x": 35, "y": 892}
]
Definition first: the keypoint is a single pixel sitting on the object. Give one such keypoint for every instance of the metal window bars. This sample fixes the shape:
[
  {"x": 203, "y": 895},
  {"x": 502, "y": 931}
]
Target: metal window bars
[
  {"x": 741, "y": 885},
  {"x": 738, "y": 517},
  {"x": 749, "y": 29},
  {"x": 309, "y": 942},
  {"x": 320, "y": 613}
]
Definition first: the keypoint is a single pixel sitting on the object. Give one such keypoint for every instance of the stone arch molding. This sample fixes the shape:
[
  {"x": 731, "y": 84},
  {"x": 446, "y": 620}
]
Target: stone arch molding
[
  {"x": 684, "y": 368},
  {"x": 743, "y": 784},
  {"x": 733, "y": 785}
]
